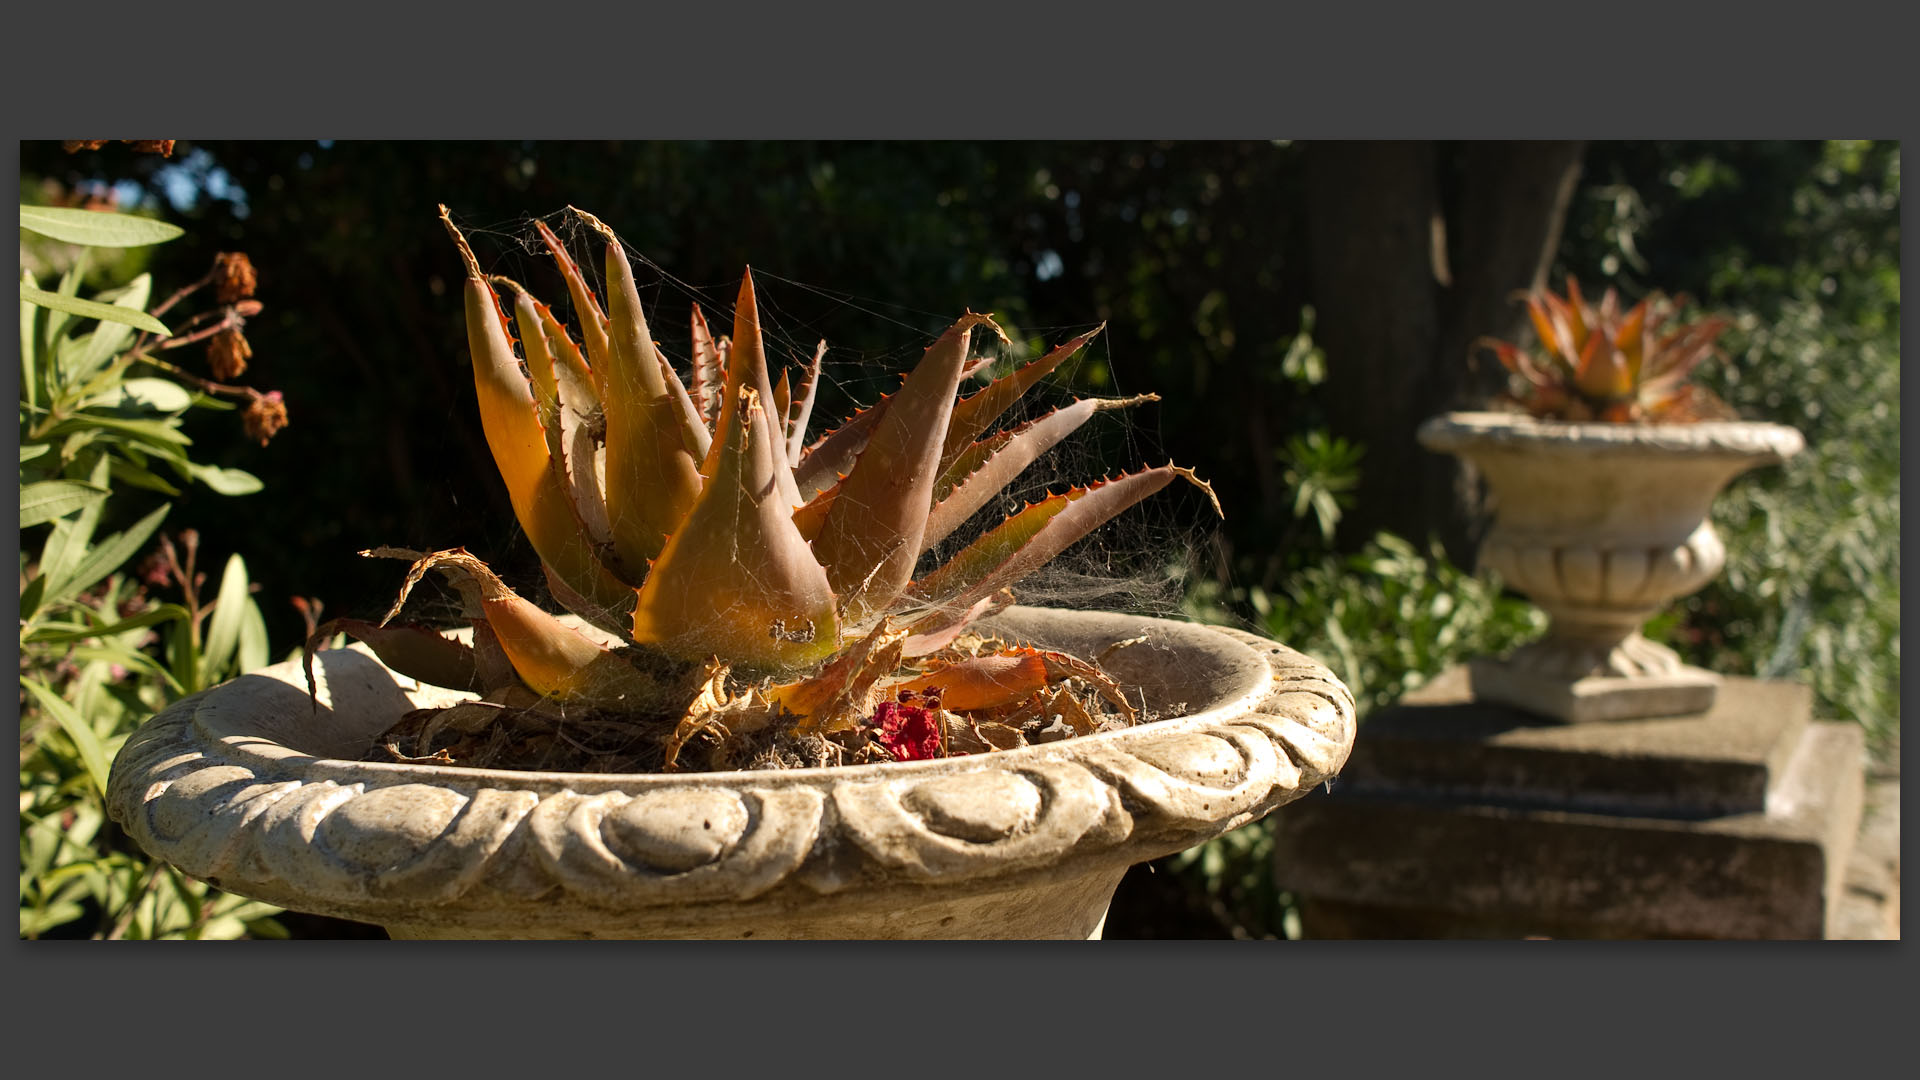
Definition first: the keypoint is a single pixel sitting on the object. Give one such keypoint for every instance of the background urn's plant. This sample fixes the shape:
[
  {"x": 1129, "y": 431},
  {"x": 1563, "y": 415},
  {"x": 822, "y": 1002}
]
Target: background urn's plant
[
  {"x": 1605, "y": 362},
  {"x": 106, "y": 639},
  {"x": 756, "y": 590}
]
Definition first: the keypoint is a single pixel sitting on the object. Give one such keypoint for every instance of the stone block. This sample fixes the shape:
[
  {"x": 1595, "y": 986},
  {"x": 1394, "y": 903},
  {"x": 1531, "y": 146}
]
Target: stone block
[{"x": 1459, "y": 820}]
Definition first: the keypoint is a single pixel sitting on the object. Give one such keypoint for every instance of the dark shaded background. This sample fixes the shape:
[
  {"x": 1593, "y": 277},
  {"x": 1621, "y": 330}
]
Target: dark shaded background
[{"x": 1200, "y": 256}]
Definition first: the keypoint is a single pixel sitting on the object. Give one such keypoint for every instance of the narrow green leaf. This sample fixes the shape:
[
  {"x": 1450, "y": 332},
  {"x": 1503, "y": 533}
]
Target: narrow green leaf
[
  {"x": 94, "y": 228},
  {"x": 30, "y": 598},
  {"x": 69, "y": 540},
  {"x": 254, "y": 650},
  {"x": 164, "y": 431},
  {"x": 93, "y": 310},
  {"x": 223, "y": 630},
  {"x": 129, "y": 473},
  {"x": 227, "y": 481},
  {"x": 143, "y": 395},
  {"x": 29, "y": 451},
  {"x": 56, "y": 320},
  {"x": 108, "y": 338},
  {"x": 56, "y": 636},
  {"x": 84, "y": 738},
  {"x": 110, "y": 554},
  {"x": 50, "y": 499},
  {"x": 29, "y": 345}
]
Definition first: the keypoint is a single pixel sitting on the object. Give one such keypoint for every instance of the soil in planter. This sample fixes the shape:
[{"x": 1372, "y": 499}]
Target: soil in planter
[{"x": 901, "y": 715}]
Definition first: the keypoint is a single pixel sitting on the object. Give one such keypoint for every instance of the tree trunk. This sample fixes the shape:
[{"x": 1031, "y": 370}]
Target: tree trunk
[{"x": 1417, "y": 250}]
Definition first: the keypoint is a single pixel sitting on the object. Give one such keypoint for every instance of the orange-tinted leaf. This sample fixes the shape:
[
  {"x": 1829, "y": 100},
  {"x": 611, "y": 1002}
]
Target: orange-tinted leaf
[
  {"x": 977, "y": 412},
  {"x": 736, "y": 580},
  {"x": 873, "y": 530},
  {"x": 782, "y": 410},
  {"x": 843, "y": 690},
  {"x": 984, "y": 682},
  {"x": 1025, "y": 541},
  {"x": 593, "y": 321},
  {"x": 976, "y": 476},
  {"x": 704, "y": 385},
  {"x": 803, "y": 408},
  {"x": 510, "y": 419},
  {"x": 652, "y": 475},
  {"x": 833, "y": 456},
  {"x": 551, "y": 658}
]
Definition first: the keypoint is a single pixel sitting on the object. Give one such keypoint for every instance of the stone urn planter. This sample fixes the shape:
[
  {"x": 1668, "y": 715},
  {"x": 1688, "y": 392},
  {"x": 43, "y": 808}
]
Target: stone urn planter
[
  {"x": 252, "y": 788},
  {"x": 1602, "y": 525}
]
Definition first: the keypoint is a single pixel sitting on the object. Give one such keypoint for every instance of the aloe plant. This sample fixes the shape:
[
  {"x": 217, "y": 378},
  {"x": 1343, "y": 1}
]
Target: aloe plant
[
  {"x": 751, "y": 580},
  {"x": 1605, "y": 363}
]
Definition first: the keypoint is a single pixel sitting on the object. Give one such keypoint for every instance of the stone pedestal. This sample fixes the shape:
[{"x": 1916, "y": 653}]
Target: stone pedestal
[{"x": 1460, "y": 819}]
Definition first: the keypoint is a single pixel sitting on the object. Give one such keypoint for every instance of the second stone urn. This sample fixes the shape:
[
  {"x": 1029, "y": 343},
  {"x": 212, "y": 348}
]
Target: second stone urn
[{"x": 1602, "y": 525}]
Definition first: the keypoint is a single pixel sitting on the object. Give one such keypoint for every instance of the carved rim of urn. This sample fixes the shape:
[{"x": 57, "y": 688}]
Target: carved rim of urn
[{"x": 251, "y": 786}]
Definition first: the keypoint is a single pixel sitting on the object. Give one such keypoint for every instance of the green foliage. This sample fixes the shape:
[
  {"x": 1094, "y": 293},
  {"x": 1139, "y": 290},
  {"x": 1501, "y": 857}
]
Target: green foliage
[
  {"x": 1811, "y": 279},
  {"x": 99, "y": 655},
  {"x": 1323, "y": 471}
]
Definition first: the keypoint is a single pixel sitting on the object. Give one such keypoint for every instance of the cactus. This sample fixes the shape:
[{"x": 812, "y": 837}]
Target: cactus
[{"x": 749, "y": 585}]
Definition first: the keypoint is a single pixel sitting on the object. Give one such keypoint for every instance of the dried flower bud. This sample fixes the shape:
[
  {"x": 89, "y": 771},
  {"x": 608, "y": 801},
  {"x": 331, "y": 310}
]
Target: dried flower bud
[
  {"x": 227, "y": 353},
  {"x": 233, "y": 276},
  {"x": 247, "y": 309},
  {"x": 156, "y": 569},
  {"x": 163, "y": 147},
  {"x": 265, "y": 416}
]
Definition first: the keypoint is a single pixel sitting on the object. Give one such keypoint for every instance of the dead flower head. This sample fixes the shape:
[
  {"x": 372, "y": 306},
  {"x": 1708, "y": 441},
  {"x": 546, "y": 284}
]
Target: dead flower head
[
  {"x": 233, "y": 276},
  {"x": 265, "y": 416},
  {"x": 227, "y": 354},
  {"x": 163, "y": 147}
]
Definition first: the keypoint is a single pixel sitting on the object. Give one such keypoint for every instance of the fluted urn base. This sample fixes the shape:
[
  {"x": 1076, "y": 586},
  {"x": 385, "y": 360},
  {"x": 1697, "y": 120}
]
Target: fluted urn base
[
  {"x": 1679, "y": 691},
  {"x": 1585, "y": 670}
]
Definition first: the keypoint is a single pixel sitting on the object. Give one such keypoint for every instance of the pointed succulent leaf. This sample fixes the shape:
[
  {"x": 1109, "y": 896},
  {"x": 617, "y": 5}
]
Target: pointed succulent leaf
[
  {"x": 834, "y": 454},
  {"x": 1025, "y": 541},
  {"x": 782, "y": 410},
  {"x": 593, "y": 321},
  {"x": 988, "y": 467},
  {"x": 812, "y": 517},
  {"x": 552, "y": 659},
  {"x": 510, "y": 419},
  {"x": 652, "y": 476},
  {"x": 533, "y": 339},
  {"x": 977, "y": 412},
  {"x": 747, "y": 368},
  {"x": 803, "y": 408},
  {"x": 693, "y": 426},
  {"x": 566, "y": 354},
  {"x": 736, "y": 580},
  {"x": 872, "y": 533},
  {"x": 1629, "y": 338},
  {"x": 704, "y": 385}
]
